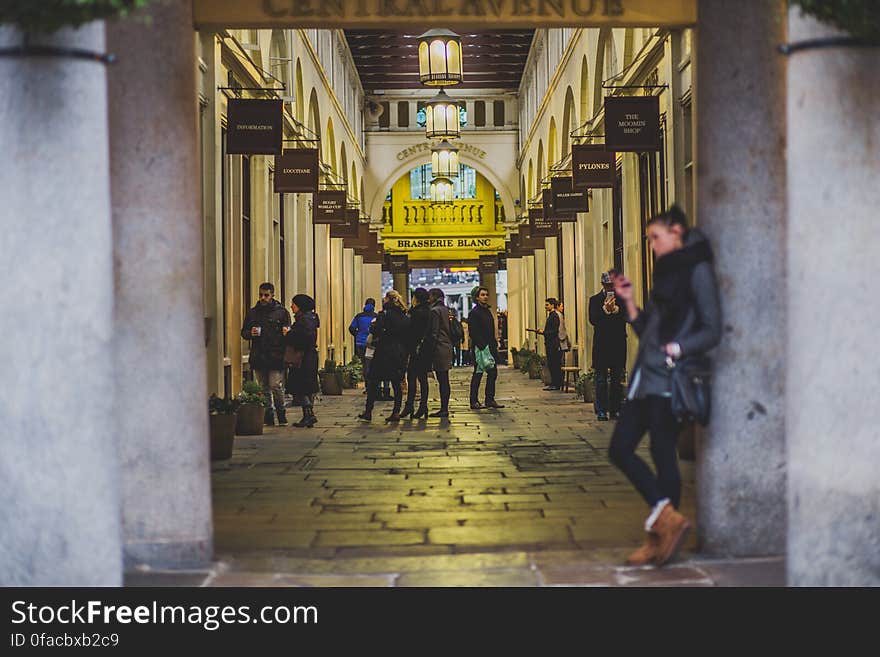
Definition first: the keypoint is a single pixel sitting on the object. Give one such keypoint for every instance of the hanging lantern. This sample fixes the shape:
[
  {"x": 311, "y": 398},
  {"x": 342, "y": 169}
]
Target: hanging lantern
[
  {"x": 440, "y": 58},
  {"x": 442, "y": 117},
  {"x": 442, "y": 191},
  {"x": 444, "y": 160}
]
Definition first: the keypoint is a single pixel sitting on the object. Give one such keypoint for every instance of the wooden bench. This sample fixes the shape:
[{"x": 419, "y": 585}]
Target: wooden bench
[{"x": 569, "y": 372}]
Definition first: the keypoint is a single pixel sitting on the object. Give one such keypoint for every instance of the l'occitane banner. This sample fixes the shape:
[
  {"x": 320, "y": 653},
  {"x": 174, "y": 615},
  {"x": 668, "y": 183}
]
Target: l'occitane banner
[{"x": 448, "y": 13}]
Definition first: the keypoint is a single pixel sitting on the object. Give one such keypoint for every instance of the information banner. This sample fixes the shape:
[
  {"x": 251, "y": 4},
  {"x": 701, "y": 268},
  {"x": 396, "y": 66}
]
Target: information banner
[
  {"x": 350, "y": 228},
  {"x": 539, "y": 227},
  {"x": 253, "y": 127}
]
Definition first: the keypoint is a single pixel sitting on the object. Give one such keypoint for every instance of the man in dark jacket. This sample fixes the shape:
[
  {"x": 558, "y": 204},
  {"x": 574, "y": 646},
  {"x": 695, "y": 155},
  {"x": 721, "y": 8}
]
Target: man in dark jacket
[
  {"x": 609, "y": 348},
  {"x": 263, "y": 326},
  {"x": 552, "y": 344},
  {"x": 440, "y": 342},
  {"x": 481, "y": 327}
]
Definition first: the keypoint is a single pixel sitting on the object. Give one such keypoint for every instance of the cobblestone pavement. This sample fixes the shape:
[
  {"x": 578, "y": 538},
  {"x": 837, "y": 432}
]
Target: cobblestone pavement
[{"x": 522, "y": 496}]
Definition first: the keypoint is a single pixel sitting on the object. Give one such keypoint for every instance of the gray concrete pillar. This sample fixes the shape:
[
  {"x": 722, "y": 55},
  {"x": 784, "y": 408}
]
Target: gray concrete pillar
[
  {"x": 833, "y": 418},
  {"x": 59, "y": 485},
  {"x": 741, "y": 206},
  {"x": 160, "y": 348}
]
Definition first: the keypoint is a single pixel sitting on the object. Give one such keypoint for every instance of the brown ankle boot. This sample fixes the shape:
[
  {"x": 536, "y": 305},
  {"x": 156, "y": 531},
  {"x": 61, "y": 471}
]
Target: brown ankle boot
[
  {"x": 645, "y": 554},
  {"x": 671, "y": 528}
]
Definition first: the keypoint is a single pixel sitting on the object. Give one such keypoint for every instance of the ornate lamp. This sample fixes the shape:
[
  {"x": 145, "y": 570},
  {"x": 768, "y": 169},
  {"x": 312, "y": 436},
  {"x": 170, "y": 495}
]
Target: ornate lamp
[
  {"x": 442, "y": 192},
  {"x": 444, "y": 160},
  {"x": 441, "y": 113},
  {"x": 440, "y": 58}
]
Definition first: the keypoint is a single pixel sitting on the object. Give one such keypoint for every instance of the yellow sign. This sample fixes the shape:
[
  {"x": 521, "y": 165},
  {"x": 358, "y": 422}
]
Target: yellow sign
[
  {"x": 461, "y": 14},
  {"x": 437, "y": 247}
]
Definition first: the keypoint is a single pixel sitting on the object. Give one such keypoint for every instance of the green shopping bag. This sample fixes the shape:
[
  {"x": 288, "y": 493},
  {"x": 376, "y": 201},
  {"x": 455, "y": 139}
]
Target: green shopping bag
[{"x": 483, "y": 358}]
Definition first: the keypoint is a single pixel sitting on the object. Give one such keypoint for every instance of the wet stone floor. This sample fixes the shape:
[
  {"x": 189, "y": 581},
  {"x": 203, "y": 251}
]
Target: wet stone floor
[{"x": 522, "y": 496}]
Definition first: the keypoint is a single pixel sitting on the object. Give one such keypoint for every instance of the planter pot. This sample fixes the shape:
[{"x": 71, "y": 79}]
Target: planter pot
[
  {"x": 331, "y": 383},
  {"x": 516, "y": 361},
  {"x": 347, "y": 382},
  {"x": 546, "y": 376},
  {"x": 250, "y": 420},
  {"x": 222, "y": 435},
  {"x": 535, "y": 371},
  {"x": 589, "y": 392}
]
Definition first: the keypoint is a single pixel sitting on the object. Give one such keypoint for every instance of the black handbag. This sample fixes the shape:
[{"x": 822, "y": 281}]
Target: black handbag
[{"x": 691, "y": 387}]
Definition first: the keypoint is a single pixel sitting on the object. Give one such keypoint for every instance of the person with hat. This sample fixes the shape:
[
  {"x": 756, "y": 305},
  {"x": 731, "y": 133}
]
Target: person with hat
[
  {"x": 301, "y": 354},
  {"x": 609, "y": 348}
]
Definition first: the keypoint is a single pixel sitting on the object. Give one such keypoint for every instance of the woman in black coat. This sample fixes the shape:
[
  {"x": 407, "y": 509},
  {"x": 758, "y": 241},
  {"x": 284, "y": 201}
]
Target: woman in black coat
[
  {"x": 681, "y": 320},
  {"x": 301, "y": 343},
  {"x": 420, "y": 355},
  {"x": 391, "y": 338}
]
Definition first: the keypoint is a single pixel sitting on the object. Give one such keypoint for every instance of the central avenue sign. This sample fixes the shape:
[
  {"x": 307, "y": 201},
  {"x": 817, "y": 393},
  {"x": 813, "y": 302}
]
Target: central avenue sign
[{"x": 410, "y": 14}]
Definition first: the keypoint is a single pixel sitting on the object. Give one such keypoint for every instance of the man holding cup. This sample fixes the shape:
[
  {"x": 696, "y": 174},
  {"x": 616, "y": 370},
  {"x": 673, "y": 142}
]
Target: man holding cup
[
  {"x": 609, "y": 348},
  {"x": 265, "y": 325}
]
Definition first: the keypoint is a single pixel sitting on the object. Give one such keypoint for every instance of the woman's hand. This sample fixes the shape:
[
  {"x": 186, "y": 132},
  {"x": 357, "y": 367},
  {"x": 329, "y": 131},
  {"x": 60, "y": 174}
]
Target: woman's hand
[
  {"x": 673, "y": 350},
  {"x": 623, "y": 288}
]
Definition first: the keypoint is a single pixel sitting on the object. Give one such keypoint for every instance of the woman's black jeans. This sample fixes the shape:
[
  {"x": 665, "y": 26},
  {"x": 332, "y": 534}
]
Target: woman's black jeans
[
  {"x": 445, "y": 389},
  {"x": 373, "y": 386},
  {"x": 413, "y": 375},
  {"x": 654, "y": 415}
]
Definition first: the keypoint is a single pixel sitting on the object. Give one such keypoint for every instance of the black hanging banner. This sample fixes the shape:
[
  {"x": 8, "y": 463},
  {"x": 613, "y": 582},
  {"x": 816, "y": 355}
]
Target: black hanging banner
[
  {"x": 398, "y": 264},
  {"x": 296, "y": 170},
  {"x": 540, "y": 227},
  {"x": 253, "y": 127},
  {"x": 488, "y": 264},
  {"x": 349, "y": 229},
  {"x": 592, "y": 166},
  {"x": 632, "y": 123},
  {"x": 328, "y": 207},
  {"x": 551, "y": 212},
  {"x": 567, "y": 200}
]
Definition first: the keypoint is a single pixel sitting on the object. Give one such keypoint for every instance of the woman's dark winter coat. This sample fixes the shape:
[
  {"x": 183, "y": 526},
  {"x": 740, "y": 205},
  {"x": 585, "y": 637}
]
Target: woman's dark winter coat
[
  {"x": 683, "y": 308},
  {"x": 439, "y": 338},
  {"x": 609, "y": 334},
  {"x": 267, "y": 350},
  {"x": 391, "y": 335},
  {"x": 481, "y": 329},
  {"x": 303, "y": 336},
  {"x": 420, "y": 355}
]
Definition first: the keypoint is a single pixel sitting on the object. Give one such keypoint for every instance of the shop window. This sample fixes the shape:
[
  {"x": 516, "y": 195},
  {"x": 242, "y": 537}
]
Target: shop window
[
  {"x": 652, "y": 200},
  {"x": 617, "y": 220},
  {"x": 246, "y": 292},
  {"x": 464, "y": 186}
]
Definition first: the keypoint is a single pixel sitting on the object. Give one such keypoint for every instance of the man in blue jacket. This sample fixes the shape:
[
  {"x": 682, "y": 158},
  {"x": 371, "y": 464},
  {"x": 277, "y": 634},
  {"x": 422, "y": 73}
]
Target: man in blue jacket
[{"x": 360, "y": 329}]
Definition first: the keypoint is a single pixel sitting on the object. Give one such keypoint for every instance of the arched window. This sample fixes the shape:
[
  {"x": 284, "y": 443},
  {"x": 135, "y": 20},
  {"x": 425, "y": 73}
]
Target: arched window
[{"x": 463, "y": 187}]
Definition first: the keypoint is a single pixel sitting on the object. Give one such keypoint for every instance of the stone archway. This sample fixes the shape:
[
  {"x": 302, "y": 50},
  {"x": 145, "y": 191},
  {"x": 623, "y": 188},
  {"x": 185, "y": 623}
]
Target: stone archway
[{"x": 381, "y": 190}]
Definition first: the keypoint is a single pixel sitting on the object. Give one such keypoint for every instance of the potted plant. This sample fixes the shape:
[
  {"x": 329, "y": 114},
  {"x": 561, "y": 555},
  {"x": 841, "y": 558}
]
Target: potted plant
[
  {"x": 536, "y": 365},
  {"x": 252, "y": 404},
  {"x": 584, "y": 386},
  {"x": 331, "y": 378},
  {"x": 222, "y": 416},
  {"x": 352, "y": 373},
  {"x": 514, "y": 353}
]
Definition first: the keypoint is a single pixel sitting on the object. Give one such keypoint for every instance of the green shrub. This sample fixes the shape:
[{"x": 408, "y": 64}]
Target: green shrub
[
  {"x": 222, "y": 405},
  {"x": 583, "y": 382},
  {"x": 354, "y": 370},
  {"x": 861, "y": 18},
  {"x": 252, "y": 393},
  {"x": 52, "y": 15}
]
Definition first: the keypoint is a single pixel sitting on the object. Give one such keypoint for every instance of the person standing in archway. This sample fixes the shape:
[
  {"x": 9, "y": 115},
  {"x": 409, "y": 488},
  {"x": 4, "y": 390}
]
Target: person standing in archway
[
  {"x": 609, "y": 348},
  {"x": 553, "y": 344},
  {"x": 301, "y": 341},
  {"x": 481, "y": 326},
  {"x": 681, "y": 320},
  {"x": 420, "y": 355},
  {"x": 440, "y": 342}
]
